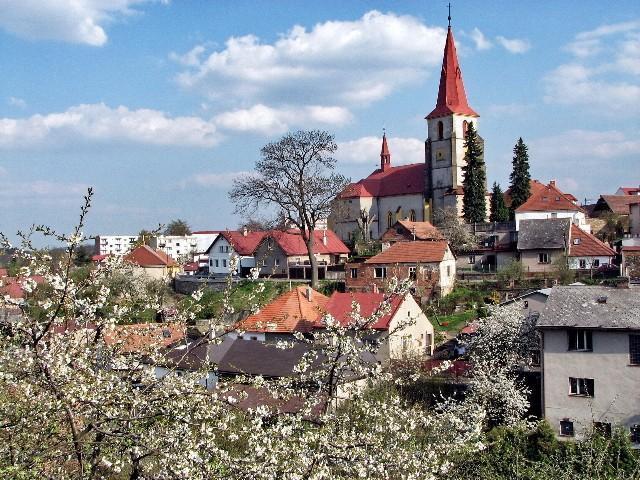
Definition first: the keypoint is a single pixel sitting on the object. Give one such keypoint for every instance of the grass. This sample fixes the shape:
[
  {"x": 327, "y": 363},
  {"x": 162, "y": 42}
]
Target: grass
[{"x": 454, "y": 322}]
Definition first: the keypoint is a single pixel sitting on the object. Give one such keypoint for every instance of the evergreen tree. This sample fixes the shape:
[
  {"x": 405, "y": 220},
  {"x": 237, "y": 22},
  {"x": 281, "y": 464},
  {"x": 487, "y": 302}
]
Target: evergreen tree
[
  {"x": 520, "y": 176},
  {"x": 499, "y": 211},
  {"x": 474, "y": 207}
]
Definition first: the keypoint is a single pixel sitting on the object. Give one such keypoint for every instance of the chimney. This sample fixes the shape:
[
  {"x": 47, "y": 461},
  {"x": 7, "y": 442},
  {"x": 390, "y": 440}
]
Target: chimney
[
  {"x": 244, "y": 232},
  {"x": 552, "y": 183},
  {"x": 324, "y": 237},
  {"x": 309, "y": 293}
]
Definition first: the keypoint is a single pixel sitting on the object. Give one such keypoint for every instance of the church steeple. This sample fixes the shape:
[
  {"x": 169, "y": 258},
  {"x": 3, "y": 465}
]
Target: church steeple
[
  {"x": 385, "y": 156},
  {"x": 451, "y": 95}
]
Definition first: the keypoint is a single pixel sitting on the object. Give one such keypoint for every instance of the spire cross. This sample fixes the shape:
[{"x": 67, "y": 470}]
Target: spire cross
[{"x": 449, "y": 17}]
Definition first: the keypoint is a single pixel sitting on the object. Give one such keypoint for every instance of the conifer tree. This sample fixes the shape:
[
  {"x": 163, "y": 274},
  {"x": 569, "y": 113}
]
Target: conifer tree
[
  {"x": 499, "y": 211},
  {"x": 474, "y": 207},
  {"x": 520, "y": 176}
]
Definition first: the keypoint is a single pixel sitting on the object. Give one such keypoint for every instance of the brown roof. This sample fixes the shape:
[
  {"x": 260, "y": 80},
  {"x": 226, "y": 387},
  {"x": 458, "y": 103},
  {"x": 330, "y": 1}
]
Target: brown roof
[
  {"x": 548, "y": 199},
  {"x": 534, "y": 187},
  {"x": 291, "y": 312},
  {"x": 145, "y": 256},
  {"x": 411, "y": 252},
  {"x": 588, "y": 246},
  {"x": 617, "y": 203},
  {"x": 145, "y": 337},
  {"x": 406, "y": 229}
]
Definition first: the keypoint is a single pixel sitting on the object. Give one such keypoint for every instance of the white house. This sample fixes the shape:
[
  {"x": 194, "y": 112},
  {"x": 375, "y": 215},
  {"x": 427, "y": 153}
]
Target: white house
[
  {"x": 184, "y": 247},
  {"x": 114, "y": 244},
  {"x": 243, "y": 244},
  {"x": 549, "y": 202}
]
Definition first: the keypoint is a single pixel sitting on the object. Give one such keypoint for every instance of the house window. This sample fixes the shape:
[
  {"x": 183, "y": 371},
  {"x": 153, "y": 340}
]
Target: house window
[
  {"x": 603, "y": 428},
  {"x": 544, "y": 258},
  {"x": 596, "y": 263},
  {"x": 635, "y": 433},
  {"x": 354, "y": 273},
  {"x": 581, "y": 387},
  {"x": 440, "y": 130},
  {"x": 580, "y": 340},
  {"x": 576, "y": 241},
  {"x": 211, "y": 263},
  {"x": 217, "y": 263},
  {"x": 276, "y": 262},
  {"x": 224, "y": 263},
  {"x": 380, "y": 272},
  {"x": 472, "y": 259},
  {"x": 264, "y": 263},
  {"x": 554, "y": 215},
  {"x": 221, "y": 248},
  {"x": 583, "y": 263},
  {"x": 448, "y": 270},
  {"x": 412, "y": 273},
  {"x": 412, "y": 216},
  {"x": 389, "y": 220},
  {"x": 634, "y": 349},
  {"x": 566, "y": 428}
]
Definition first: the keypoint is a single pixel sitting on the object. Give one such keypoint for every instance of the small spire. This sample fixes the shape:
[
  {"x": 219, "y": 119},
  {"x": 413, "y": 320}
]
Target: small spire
[
  {"x": 449, "y": 17},
  {"x": 385, "y": 155}
]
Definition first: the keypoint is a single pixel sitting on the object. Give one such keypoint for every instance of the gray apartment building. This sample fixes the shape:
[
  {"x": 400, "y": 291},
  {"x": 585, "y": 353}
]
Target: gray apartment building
[{"x": 590, "y": 339}]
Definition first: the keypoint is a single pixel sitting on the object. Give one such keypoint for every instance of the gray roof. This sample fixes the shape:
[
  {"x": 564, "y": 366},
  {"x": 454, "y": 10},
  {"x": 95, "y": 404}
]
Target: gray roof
[
  {"x": 543, "y": 233},
  {"x": 579, "y": 306}
]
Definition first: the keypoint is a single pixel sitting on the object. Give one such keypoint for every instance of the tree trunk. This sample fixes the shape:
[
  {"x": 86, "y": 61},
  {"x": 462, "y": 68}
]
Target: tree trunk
[{"x": 312, "y": 260}]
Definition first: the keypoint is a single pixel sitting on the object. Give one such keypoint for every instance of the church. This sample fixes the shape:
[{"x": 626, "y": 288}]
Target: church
[{"x": 415, "y": 191}]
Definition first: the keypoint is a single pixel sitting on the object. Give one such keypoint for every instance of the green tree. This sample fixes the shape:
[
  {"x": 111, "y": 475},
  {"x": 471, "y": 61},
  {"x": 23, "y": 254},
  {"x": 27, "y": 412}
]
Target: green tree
[
  {"x": 499, "y": 211},
  {"x": 178, "y": 227},
  {"x": 474, "y": 207},
  {"x": 520, "y": 176}
]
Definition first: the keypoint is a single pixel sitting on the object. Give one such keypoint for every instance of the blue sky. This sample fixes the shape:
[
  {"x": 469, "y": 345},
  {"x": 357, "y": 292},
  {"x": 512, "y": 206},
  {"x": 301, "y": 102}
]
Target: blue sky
[{"x": 158, "y": 104}]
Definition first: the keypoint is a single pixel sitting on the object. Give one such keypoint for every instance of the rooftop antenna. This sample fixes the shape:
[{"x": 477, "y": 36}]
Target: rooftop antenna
[{"x": 449, "y": 17}]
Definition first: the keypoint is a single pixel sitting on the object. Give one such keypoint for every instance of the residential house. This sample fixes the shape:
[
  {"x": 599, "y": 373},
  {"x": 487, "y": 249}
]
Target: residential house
[
  {"x": 151, "y": 263},
  {"x": 407, "y": 230},
  {"x": 402, "y": 331},
  {"x": 241, "y": 244},
  {"x": 541, "y": 243},
  {"x": 297, "y": 310},
  {"x": 549, "y": 202},
  {"x": 628, "y": 191},
  {"x": 590, "y": 338},
  {"x": 616, "y": 204},
  {"x": 431, "y": 266},
  {"x": 496, "y": 247},
  {"x": 114, "y": 244},
  {"x": 184, "y": 248},
  {"x": 630, "y": 265},
  {"x": 532, "y": 302}
]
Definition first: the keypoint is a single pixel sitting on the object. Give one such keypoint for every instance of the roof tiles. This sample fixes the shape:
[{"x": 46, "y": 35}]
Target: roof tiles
[{"x": 411, "y": 252}]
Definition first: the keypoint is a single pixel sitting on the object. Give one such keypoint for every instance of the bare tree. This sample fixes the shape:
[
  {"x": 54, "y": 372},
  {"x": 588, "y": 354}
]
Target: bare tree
[
  {"x": 295, "y": 175},
  {"x": 455, "y": 231}
]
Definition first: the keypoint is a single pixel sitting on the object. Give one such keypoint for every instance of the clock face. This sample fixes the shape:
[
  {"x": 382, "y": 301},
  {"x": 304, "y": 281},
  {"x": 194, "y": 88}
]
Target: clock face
[{"x": 440, "y": 154}]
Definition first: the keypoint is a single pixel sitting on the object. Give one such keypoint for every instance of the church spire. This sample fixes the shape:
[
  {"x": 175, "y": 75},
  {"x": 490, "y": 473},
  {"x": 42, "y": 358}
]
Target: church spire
[
  {"x": 385, "y": 155},
  {"x": 451, "y": 95}
]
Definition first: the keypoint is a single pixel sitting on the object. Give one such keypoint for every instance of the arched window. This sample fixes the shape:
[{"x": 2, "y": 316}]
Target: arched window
[
  {"x": 389, "y": 220},
  {"x": 440, "y": 131},
  {"x": 465, "y": 125},
  {"x": 412, "y": 216}
]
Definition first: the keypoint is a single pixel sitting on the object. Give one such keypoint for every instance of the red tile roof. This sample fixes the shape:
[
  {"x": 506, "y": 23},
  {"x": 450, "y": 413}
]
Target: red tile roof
[
  {"x": 144, "y": 337},
  {"x": 12, "y": 286},
  {"x": 630, "y": 190},
  {"x": 145, "y": 256},
  {"x": 244, "y": 243},
  {"x": 400, "y": 180},
  {"x": 631, "y": 249},
  {"x": 411, "y": 252},
  {"x": 451, "y": 95},
  {"x": 291, "y": 242},
  {"x": 617, "y": 203},
  {"x": 534, "y": 187},
  {"x": 548, "y": 199},
  {"x": 405, "y": 229},
  {"x": 340, "y": 307},
  {"x": 291, "y": 312},
  {"x": 588, "y": 246},
  {"x": 191, "y": 267}
]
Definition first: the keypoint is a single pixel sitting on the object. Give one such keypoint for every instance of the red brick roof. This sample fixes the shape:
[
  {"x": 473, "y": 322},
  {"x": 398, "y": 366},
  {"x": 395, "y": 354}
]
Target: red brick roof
[
  {"x": 400, "y": 180},
  {"x": 411, "y": 252},
  {"x": 618, "y": 203},
  {"x": 291, "y": 242},
  {"x": 589, "y": 245},
  {"x": 242, "y": 243},
  {"x": 548, "y": 199},
  {"x": 340, "y": 307},
  {"x": 407, "y": 228},
  {"x": 451, "y": 95},
  {"x": 291, "y": 312},
  {"x": 145, "y": 256}
]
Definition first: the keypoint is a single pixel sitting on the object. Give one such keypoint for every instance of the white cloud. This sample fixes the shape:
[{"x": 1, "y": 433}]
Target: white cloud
[
  {"x": 514, "y": 45},
  {"x": 603, "y": 73},
  {"x": 16, "y": 102},
  {"x": 584, "y": 146},
  {"x": 75, "y": 21},
  {"x": 482, "y": 42},
  {"x": 214, "y": 180},
  {"x": 98, "y": 122},
  {"x": 267, "y": 120},
  {"x": 353, "y": 62},
  {"x": 367, "y": 150}
]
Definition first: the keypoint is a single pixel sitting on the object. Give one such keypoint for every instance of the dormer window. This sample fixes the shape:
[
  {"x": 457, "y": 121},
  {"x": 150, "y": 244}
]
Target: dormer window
[{"x": 576, "y": 241}]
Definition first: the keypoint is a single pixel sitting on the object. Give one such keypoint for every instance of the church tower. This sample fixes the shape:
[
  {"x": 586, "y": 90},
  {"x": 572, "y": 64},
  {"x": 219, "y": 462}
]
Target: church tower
[{"x": 446, "y": 128}]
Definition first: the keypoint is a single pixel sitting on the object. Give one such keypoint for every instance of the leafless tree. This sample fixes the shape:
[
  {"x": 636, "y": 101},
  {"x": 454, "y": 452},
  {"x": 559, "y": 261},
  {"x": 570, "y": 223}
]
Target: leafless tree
[{"x": 294, "y": 175}]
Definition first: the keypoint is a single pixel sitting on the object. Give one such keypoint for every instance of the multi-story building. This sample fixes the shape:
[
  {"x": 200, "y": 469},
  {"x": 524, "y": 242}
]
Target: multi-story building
[
  {"x": 184, "y": 248},
  {"x": 590, "y": 339},
  {"x": 114, "y": 244}
]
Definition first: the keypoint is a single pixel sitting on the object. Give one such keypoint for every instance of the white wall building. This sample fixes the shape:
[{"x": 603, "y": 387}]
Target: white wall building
[
  {"x": 114, "y": 244},
  {"x": 184, "y": 248}
]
